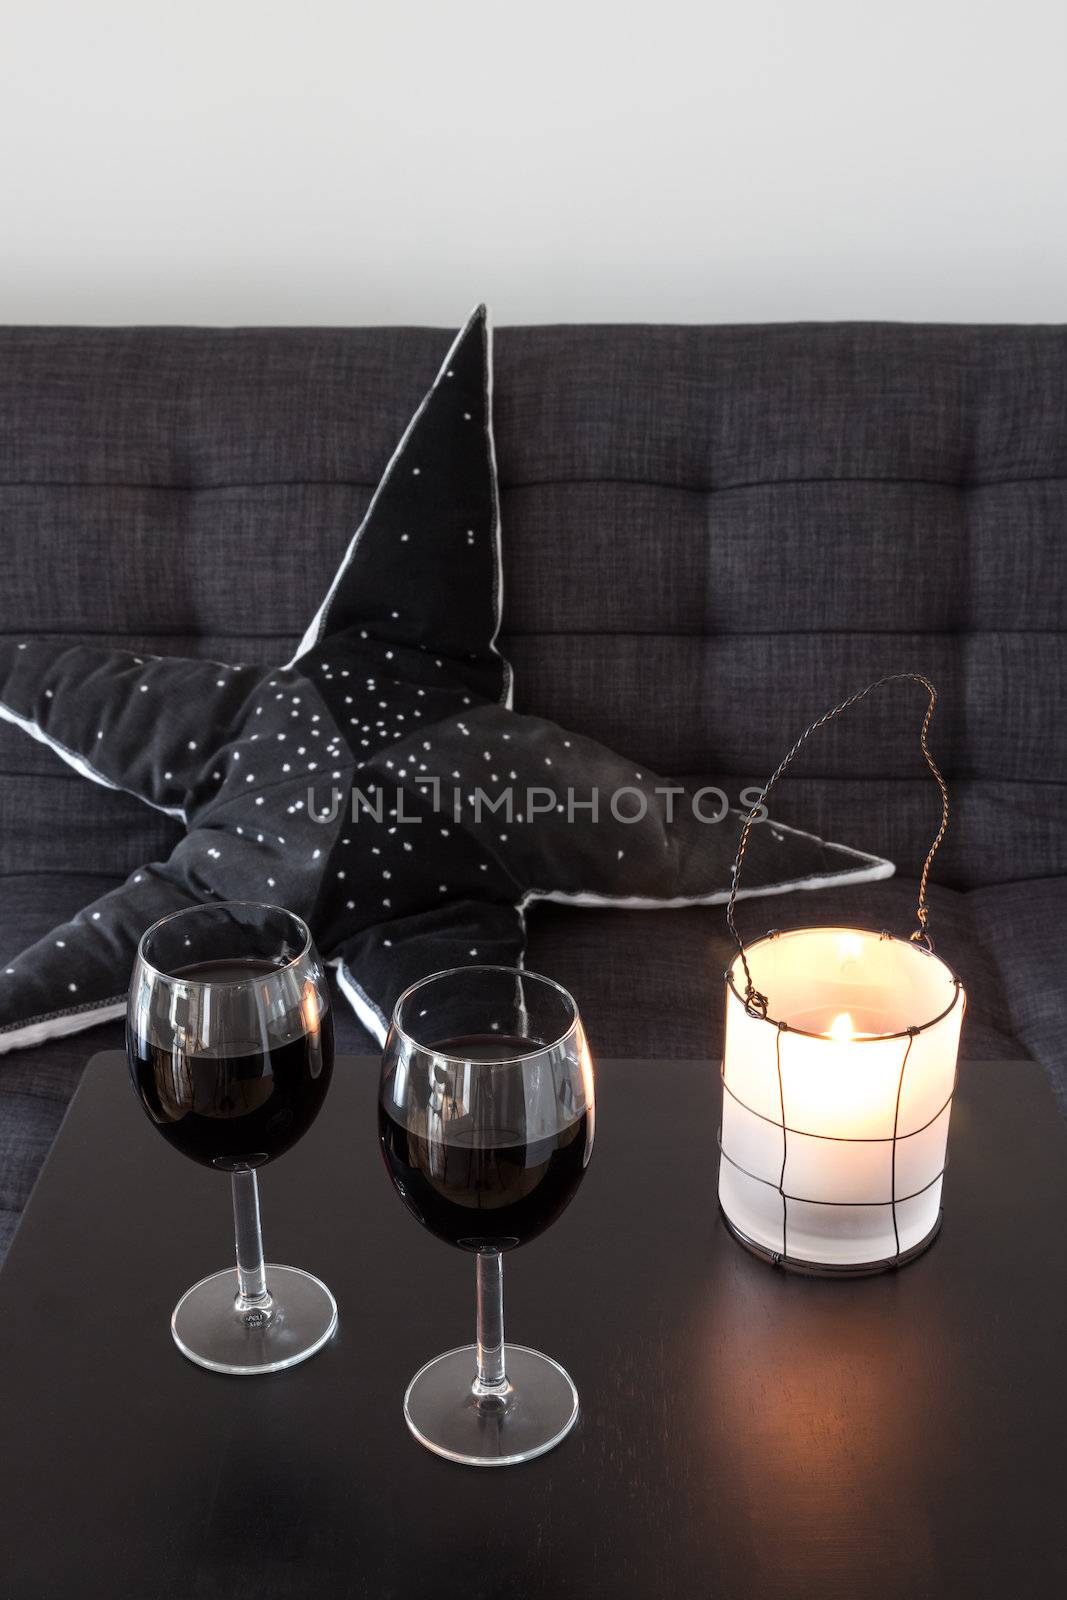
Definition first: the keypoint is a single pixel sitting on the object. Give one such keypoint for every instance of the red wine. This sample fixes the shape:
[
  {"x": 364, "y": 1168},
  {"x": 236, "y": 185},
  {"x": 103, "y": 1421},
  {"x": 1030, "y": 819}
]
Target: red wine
[
  {"x": 477, "y": 1180},
  {"x": 244, "y": 1109}
]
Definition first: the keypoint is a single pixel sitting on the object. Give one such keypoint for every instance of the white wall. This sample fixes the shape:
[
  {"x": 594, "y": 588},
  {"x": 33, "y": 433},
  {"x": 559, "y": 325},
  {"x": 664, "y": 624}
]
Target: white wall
[{"x": 332, "y": 161}]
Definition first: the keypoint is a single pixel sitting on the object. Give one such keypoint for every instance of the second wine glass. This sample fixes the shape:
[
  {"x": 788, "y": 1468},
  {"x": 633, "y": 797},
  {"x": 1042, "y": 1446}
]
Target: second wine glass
[{"x": 486, "y": 1118}]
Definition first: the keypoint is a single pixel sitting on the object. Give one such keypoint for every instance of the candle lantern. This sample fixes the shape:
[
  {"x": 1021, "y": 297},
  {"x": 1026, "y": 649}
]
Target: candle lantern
[{"x": 838, "y": 1072}]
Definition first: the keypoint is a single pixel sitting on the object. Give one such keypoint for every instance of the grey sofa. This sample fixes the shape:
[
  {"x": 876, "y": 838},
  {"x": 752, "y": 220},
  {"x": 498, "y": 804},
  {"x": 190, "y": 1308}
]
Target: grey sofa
[{"x": 710, "y": 536}]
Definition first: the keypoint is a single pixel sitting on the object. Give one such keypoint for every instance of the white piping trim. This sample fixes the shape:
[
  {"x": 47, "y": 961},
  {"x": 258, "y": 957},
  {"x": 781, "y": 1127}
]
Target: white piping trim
[
  {"x": 365, "y": 1009},
  {"x": 874, "y": 869},
  {"x": 520, "y": 910},
  {"x": 508, "y": 695},
  {"x": 314, "y": 631},
  {"x": 59, "y": 1027},
  {"x": 884, "y": 869},
  {"x": 81, "y": 765}
]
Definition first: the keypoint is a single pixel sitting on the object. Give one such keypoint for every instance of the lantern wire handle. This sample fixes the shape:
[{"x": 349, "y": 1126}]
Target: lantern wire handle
[{"x": 756, "y": 1003}]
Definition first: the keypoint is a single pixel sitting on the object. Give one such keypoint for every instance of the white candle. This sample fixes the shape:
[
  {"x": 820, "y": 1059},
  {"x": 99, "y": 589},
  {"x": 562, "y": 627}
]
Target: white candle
[{"x": 835, "y": 1125}]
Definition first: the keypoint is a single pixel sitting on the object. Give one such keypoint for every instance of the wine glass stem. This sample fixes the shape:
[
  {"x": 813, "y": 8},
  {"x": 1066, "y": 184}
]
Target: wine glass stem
[
  {"x": 251, "y": 1275},
  {"x": 491, "y": 1382}
]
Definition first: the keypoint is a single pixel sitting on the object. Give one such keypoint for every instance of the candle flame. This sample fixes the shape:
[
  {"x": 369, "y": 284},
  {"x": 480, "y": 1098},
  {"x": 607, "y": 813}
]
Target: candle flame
[{"x": 842, "y": 1029}]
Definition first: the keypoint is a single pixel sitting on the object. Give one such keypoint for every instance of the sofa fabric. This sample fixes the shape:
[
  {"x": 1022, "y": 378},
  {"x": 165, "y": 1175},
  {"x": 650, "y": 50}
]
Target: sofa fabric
[{"x": 710, "y": 535}]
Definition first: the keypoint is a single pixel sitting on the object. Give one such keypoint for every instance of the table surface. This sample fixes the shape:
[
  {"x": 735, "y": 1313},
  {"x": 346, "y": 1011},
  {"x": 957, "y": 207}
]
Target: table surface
[{"x": 743, "y": 1432}]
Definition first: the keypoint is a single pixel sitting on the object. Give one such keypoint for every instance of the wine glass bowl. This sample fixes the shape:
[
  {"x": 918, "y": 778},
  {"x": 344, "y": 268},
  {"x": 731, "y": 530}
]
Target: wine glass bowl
[
  {"x": 230, "y": 1044},
  {"x": 486, "y": 1121}
]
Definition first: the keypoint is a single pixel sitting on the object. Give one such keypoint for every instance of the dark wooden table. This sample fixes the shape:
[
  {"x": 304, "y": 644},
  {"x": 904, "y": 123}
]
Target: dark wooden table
[{"x": 743, "y": 1433}]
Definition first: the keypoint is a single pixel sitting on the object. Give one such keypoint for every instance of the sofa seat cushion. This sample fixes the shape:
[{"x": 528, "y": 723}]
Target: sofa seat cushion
[
  {"x": 651, "y": 983},
  {"x": 35, "y": 1085},
  {"x": 1023, "y": 926}
]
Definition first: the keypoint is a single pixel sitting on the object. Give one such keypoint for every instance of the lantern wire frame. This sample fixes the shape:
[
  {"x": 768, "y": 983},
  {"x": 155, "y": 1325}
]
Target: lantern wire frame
[
  {"x": 782, "y": 1258},
  {"x": 758, "y": 1007}
]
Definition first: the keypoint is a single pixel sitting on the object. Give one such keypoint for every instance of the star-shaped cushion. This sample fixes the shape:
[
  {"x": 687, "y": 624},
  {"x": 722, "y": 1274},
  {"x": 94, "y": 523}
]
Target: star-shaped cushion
[{"x": 378, "y": 783}]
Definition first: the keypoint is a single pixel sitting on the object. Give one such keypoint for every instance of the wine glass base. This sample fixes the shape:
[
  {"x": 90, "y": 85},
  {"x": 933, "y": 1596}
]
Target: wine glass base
[
  {"x": 443, "y": 1414},
  {"x": 209, "y": 1330}
]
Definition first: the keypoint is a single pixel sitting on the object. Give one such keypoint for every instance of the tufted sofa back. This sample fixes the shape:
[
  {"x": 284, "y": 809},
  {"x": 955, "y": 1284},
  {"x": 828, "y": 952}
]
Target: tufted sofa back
[{"x": 710, "y": 535}]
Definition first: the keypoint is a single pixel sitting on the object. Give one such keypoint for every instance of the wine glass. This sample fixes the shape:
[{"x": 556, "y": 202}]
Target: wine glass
[
  {"x": 230, "y": 1043},
  {"x": 485, "y": 1116}
]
